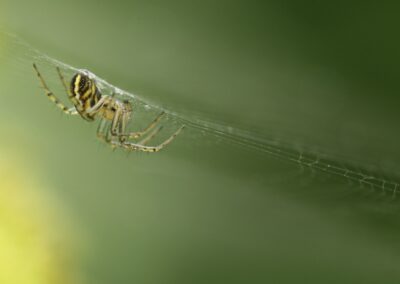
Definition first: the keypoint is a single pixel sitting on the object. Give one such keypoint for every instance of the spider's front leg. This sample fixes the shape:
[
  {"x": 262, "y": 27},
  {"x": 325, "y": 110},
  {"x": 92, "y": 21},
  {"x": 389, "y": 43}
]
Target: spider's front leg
[{"x": 51, "y": 96}]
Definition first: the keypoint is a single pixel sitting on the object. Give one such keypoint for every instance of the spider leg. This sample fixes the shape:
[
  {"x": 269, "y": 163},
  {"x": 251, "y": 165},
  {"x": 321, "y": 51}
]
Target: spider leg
[
  {"x": 120, "y": 121},
  {"x": 138, "y": 147},
  {"x": 115, "y": 137},
  {"x": 73, "y": 111},
  {"x": 101, "y": 131},
  {"x": 125, "y": 116},
  {"x": 116, "y": 124},
  {"x": 138, "y": 134},
  {"x": 94, "y": 109},
  {"x": 51, "y": 96},
  {"x": 150, "y": 136},
  {"x": 104, "y": 131},
  {"x": 62, "y": 79}
]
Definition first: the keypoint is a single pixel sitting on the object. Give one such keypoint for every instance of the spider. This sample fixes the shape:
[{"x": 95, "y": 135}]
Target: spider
[{"x": 90, "y": 104}]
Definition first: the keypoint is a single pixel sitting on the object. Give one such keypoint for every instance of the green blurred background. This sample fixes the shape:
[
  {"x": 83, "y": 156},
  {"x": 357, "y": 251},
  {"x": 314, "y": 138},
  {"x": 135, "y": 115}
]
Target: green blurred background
[{"x": 320, "y": 75}]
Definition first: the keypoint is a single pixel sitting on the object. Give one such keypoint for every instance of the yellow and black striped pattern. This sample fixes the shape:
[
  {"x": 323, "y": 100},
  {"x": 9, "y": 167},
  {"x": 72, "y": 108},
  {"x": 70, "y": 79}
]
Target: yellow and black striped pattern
[{"x": 85, "y": 92}]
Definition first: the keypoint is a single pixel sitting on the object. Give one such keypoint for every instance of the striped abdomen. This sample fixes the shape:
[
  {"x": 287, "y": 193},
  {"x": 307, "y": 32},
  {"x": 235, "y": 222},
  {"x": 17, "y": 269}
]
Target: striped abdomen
[{"x": 85, "y": 94}]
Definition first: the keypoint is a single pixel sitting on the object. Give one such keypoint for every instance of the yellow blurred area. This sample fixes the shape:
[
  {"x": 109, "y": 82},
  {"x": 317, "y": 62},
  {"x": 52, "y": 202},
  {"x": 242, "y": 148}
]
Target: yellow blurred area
[{"x": 31, "y": 250}]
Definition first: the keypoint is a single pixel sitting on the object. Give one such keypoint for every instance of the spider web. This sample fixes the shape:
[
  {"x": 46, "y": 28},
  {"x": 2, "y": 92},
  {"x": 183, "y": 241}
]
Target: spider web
[{"x": 364, "y": 175}]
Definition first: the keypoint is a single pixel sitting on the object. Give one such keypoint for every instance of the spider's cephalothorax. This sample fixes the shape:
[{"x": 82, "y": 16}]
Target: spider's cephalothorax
[{"x": 113, "y": 113}]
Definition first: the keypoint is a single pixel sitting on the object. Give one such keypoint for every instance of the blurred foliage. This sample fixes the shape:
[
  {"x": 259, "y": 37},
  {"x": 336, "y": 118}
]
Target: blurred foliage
[
  {"x": 34, "y": 247},
  {"x": 321, "y": 76}
]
